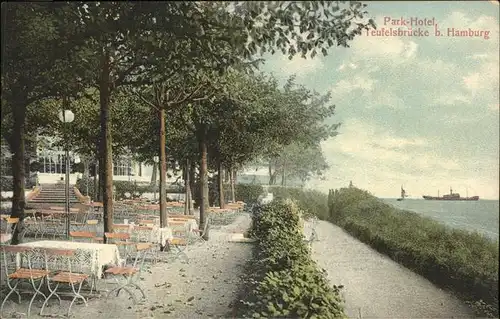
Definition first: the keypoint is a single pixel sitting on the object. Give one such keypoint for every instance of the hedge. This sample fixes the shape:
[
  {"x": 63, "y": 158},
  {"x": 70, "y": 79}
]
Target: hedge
[
  {"x": 283, "y": 281},
  {"x": 465, "y": 262},
  {"x": 312, "y": 202}
]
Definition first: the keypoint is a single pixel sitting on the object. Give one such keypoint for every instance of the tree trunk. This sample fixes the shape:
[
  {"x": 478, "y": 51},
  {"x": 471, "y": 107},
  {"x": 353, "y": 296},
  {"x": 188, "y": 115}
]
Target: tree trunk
[
  {"x": 221, "y": 185},
  {"x": 204, "y": 203},
  {"x": 187, "y": 190},
  {"x": 283, "y": 175},
  {"x": 231, "y": 180},
  {"x": 192, "y": 185},
  {"x": 163, "y": 171},
  {"x": 18, "y": 171},
  {"x": 153, "y": 175},
  {"x": 97, "y": 189},
  {"x": 106, "y": 155},
  {"x": 272, "y": 175}
]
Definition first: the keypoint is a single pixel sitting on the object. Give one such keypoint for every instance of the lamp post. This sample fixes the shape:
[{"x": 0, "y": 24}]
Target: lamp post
[
  {"x": 66, "y": 117},
  {"x": 156, "y": 159}
]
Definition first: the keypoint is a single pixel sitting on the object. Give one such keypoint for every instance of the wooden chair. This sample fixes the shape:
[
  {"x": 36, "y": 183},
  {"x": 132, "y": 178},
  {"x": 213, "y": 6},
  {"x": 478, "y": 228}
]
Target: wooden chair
[
  {"x": 60, "y": 261},
  {"x": 146, "y": 222},
  {"x": 122, "y": 240},
  {"x": 178, "y": 247},
  {"x": 11, "y": 224},
  {"x": 126, "y": 276},
  {"x": 200, "y": 233},
  {"x": 92, "y": 225},
  {"x": 22, "y": 272},
  {"x": 144, "y": 234},
  {"x": 121, "y": 228},
  {"x": 83, "y": 235}
]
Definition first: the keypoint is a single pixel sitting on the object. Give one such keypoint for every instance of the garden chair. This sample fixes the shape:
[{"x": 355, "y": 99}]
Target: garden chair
[
  {"x": 126, "y": 276},
  {"x": 22, "y": 273},
  {"x": 82, "y": 236},
  {"x": 146, "y": 222},
  {"x": 59, "y": 262},
  {"x": 178, "y": 247},
  {"x": 92, "y": 225},
  {"x": 198, "y": 234},
  {"x": 122, "y": 240},
  {"x": 144, "y": 234},
  {"x": 32, "y": 227}
]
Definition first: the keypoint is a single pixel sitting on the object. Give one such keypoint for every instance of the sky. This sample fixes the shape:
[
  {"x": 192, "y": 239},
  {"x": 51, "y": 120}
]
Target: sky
[{"x": 422, "y": 112}]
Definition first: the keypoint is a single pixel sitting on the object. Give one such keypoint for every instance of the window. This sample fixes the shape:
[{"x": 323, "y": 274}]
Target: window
[
  {"x": 55, "y": 164},
  {"x": 122, "y": 167}
]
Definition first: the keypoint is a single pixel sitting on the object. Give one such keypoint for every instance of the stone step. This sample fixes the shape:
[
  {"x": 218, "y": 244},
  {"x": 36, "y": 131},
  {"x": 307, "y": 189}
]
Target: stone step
[{"x": 53, "y": 201}]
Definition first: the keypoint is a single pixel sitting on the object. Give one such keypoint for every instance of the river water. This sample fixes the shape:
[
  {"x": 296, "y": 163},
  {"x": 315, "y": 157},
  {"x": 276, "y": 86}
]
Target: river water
[{"x": 480, "y": 216}]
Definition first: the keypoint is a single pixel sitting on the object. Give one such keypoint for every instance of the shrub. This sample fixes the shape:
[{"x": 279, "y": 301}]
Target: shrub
[
  {"x": 465, "y": 262},
  {"x": 86, "y": 186},
  {"x": 6, "y": 184},
  {"x": 121, "y": 188},
  {"x": 284, "y": 282},
  {"x": 311, "y": 202},
  {"x": 243, "y": 192}
]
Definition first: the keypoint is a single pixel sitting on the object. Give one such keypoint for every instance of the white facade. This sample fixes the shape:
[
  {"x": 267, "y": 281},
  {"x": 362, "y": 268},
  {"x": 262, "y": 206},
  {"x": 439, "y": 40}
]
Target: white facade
[{"x": 51, "y": 165}]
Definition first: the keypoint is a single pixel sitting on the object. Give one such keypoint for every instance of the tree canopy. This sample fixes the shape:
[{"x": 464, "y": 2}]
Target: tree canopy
[{"x": 175, "y": 79}]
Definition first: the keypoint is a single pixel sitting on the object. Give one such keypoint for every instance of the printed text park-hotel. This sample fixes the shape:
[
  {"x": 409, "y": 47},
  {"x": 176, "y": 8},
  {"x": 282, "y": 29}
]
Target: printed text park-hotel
[{"x": 416, "y": 27}]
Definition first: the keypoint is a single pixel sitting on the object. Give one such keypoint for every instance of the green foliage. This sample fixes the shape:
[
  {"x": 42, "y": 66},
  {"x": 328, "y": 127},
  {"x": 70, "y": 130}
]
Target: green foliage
[
  {"x": 284, "y": 281},
  {"x": 311, "y": 202},
  {"x": 133, "y": 189},
  {"x": 465, "y": 262},
  {"x": 86, "y": 186},
  {"x": 247, "y": 193},
  {"x": 6, "y": 184},
  {"x": 243, "y": 192}
]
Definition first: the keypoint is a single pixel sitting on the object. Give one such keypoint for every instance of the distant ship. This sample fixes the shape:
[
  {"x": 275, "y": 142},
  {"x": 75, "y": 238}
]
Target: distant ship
[
  {"x": 403, "y": 194},
  {"x": 451, "y": 196}
]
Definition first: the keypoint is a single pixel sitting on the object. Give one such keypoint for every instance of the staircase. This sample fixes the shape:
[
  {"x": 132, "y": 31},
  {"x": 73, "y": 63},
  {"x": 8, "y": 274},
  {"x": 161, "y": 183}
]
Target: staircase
[{"x": 54, "y": 194}]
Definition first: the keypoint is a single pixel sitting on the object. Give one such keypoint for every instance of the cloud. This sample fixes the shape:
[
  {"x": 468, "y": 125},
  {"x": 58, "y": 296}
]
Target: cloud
[
  {"x": 375, "y": 47},
  {"x": 299, "y": 66},
  {"x": 358, "y": 82},
  {"x": 485, "y": 79},
  {"x": 385, "y": 98},
  {"x": 351, "y": 66},
  {"x": 422, "y": 112},
  {"x": 362, "y": 140},
  {"x": 494, "y": 107},
  {"x": 375, "y": 159},
  {"x": 464, "y": 21}
]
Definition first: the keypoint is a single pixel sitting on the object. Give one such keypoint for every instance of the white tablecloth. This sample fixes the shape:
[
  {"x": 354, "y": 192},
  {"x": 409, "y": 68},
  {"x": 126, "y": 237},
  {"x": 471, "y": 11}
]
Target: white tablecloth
[
  {"x": 102, "y": 254},
  {"x": 5, "y": 237},
  {"x": 157, "y": 235},
  {"x": 164, "y": 235}
]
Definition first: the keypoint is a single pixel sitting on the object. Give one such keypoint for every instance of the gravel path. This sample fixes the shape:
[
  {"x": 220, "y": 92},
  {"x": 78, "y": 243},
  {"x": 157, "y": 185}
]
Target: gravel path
[
  {"x": 204, "y": 288},
  {"x": 374, "y": 285}
]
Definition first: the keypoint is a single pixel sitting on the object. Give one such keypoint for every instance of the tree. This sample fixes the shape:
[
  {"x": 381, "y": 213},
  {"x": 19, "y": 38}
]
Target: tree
[
  {"x": 29, "y": 77},
  {"x": 303, "y": 124},
  {"x": 298, "y": 161},
  {"x": 215, "y": 27}
]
